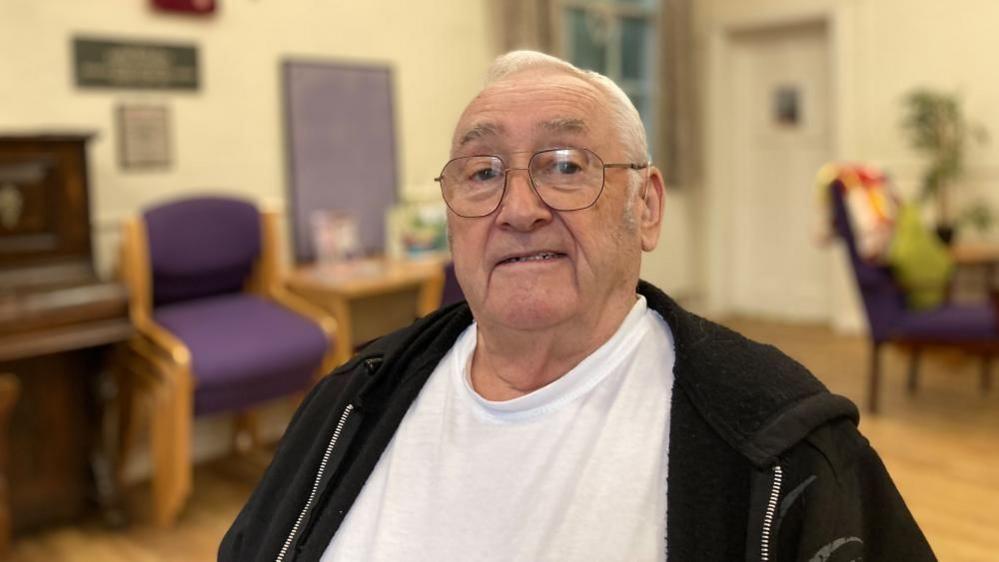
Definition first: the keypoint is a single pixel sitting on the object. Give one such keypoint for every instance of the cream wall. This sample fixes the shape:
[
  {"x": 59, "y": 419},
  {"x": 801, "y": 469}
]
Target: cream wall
[
  {"x": 670, "y": 265},
  {"x": 944, "y": 45},
  {"x": 229, "y": 134},
  {"x": 881, "y": 50}
]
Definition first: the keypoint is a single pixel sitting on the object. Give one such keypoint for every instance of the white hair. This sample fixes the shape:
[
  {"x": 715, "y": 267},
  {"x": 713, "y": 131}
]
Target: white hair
[{"x": 624, "y": 117}]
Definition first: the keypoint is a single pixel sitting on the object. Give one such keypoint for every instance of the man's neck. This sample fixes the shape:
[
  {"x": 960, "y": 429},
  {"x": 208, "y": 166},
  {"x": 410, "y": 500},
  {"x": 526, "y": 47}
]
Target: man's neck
[{"x": 509, "y": 363}]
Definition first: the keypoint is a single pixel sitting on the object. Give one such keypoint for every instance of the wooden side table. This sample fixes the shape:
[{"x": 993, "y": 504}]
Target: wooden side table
[
  {"x": 981, "y": 255},
  {"x": 371, "y": 297}
]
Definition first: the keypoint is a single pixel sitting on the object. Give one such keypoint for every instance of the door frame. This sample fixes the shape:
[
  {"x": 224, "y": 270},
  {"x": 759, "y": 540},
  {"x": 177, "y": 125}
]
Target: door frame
[{"x": 718, "y": 223}]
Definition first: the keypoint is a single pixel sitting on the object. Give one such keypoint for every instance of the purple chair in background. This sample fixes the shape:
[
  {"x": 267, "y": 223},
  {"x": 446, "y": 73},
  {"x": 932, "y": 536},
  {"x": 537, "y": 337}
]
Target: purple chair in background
[
  {"x": 452, "y": 291},
  {"x": 216, "y": 330},
  {"x": 970, "y": 328}
]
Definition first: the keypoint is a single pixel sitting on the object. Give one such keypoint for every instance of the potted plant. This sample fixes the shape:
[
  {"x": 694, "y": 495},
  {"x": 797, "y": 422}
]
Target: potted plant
[{"x": 935, "y": 125}]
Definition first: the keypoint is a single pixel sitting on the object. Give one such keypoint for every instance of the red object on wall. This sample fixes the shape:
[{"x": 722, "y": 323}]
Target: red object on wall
[{"x": 190, "y": 6}]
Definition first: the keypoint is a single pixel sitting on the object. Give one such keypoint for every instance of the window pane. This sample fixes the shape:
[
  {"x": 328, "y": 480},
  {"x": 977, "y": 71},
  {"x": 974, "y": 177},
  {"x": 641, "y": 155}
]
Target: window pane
[
  {"x": 646, "y": 3},
  {"x": 634, "y": 53},
  {"x": 640, "y": 102},
  {"x": 643, "y": 105},
  {"x": 588, "y": 40}
]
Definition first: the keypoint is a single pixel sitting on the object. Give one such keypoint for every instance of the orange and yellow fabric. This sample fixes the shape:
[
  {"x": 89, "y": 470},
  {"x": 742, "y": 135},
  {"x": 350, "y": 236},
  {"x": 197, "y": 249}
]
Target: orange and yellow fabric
[
  {"x": 890, "y": 232},
  {"x": 872, "y": 206}
]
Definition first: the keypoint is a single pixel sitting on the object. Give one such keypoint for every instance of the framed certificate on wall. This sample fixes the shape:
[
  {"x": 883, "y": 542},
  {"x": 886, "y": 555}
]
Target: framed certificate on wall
[{"x": 143, "y": 136}]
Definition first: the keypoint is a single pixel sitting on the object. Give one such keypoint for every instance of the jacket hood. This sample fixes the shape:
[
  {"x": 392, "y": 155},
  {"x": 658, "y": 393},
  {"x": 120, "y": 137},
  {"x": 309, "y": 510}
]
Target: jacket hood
[{"x": 759, "y": 400}]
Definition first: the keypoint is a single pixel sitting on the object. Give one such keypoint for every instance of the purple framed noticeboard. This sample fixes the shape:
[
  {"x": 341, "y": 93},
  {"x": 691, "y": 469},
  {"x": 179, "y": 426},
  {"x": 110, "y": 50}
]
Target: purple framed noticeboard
[{"x": 341, "y": 147}]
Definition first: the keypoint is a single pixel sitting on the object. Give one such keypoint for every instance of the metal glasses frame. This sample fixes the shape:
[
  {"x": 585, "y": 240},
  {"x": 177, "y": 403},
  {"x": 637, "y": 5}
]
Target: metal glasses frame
[{"x": 506, "y": 177}]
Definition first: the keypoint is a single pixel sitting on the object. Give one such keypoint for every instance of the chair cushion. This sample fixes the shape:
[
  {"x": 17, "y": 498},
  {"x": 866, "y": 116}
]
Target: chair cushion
[
  {"x": 183, "y": 266},
  {"x": 949, "y": 324},
  {"x": 244, "y": 349}
]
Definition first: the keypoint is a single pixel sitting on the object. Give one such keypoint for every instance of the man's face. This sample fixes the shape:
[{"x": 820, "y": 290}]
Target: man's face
[{"x": 597, "y": 251}]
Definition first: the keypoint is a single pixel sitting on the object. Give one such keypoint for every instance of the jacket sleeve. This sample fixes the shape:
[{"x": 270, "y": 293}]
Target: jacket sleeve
[
  {"x": 843, "y": 505},
  {"x": 252, "y": 532}
]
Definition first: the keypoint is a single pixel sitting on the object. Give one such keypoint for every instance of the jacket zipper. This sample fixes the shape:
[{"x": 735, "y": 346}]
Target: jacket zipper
[
  {"x": 768, "y": 517},
  {"x": 315, "y": 485}
]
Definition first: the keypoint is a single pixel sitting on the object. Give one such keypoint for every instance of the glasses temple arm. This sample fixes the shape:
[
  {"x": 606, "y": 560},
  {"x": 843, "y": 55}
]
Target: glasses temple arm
[{"x": 629, "y": 165}]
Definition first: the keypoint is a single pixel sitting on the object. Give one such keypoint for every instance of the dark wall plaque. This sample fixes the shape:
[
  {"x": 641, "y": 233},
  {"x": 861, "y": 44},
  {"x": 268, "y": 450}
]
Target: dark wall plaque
[
  {"x": 787, "y": 105},
  {"x": 135, "y": 65}
]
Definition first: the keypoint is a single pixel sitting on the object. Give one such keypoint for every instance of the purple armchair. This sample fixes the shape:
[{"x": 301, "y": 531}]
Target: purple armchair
[
  {"x": 216, "y": 331},
  {"x": 971, "y": 328}
]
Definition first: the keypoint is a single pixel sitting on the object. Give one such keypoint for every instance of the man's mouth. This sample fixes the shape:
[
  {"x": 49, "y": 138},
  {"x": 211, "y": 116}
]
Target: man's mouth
[{"x": 536, "y": 257}]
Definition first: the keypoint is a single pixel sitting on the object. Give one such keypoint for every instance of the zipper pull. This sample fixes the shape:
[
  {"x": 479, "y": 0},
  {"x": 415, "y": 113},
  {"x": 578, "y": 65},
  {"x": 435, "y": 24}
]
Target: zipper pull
[{"x": 371, "y": 364}]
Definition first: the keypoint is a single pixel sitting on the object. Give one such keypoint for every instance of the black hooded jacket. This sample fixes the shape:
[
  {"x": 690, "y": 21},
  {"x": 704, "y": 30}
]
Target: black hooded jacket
[{"x": 765, "y": 464}]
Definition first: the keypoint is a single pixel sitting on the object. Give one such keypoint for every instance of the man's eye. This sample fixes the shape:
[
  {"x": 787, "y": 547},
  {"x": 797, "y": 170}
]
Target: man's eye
[
  {"x": 484, "y": 174},
  {"x": 567, "y": 168}
]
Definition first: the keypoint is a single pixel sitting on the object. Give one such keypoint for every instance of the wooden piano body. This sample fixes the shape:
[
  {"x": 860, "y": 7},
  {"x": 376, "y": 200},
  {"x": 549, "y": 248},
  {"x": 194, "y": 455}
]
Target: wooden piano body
[{"x": 57, "y": 320}]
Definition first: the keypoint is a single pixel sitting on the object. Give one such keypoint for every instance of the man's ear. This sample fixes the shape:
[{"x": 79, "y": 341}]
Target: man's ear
[{"x": 653, "y": 197}]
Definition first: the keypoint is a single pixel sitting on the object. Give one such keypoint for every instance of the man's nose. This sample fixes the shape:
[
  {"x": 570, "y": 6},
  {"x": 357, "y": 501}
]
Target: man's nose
[{"x": 522, "y": 208}]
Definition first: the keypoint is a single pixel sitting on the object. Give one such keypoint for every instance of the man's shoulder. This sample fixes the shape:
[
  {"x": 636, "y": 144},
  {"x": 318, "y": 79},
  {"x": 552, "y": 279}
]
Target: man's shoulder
[{"x": 758, "y": 399}]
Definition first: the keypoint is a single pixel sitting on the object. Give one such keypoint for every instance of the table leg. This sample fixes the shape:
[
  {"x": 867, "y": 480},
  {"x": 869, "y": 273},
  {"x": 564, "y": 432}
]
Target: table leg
[
  {"x": 344, "y": 330},
  {"x": 431, "y": 292}
]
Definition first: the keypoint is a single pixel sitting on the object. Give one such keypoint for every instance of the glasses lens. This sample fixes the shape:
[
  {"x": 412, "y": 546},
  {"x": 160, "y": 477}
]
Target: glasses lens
[
  {"x": 473, "y": 186},
  {"x": 567, "y": 178}
]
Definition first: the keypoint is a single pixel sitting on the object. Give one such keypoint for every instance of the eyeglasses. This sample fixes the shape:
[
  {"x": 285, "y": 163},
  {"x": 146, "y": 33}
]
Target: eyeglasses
[{"x": 566, "y": 179}]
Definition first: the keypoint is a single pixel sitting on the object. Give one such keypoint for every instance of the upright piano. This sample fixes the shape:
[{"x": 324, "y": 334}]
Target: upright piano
[{"x": 57, "y": 319}]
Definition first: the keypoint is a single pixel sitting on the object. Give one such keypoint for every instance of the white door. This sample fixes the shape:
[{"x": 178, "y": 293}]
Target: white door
[{"x": 781, "y": 135}]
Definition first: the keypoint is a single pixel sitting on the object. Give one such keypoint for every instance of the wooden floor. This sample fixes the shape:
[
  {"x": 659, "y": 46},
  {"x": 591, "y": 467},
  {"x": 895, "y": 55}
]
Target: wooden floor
[
  {"x": 941, "y": 446},
  {"x": 221, "y": 488}
]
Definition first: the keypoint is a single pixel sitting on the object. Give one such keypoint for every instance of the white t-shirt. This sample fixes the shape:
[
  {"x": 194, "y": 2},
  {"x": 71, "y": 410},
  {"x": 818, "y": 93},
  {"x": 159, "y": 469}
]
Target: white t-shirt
[{"x": 575, "y": 470}]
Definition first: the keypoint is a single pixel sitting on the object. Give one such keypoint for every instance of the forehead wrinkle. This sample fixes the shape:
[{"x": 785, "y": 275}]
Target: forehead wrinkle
[
  {"x": 569, "y": 97},
  {"x": 479, "y": 131}
]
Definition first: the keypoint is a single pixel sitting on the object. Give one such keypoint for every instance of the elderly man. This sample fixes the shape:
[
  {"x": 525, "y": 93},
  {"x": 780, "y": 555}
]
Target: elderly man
[{"x": 568, "y": 411}]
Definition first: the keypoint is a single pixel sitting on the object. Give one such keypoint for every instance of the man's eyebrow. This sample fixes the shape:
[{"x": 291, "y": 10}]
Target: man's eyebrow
[
  {"x": 561, "y": 125},
  {"x": 478, "y": 131},
  {"x": 564, "y": 125}
]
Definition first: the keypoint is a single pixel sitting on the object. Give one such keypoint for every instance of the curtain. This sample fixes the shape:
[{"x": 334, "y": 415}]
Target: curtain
[
  {"x": 677, "y": 149},
  {"x": 529, "y": 24},
  {"x": 524, "y": 24}
]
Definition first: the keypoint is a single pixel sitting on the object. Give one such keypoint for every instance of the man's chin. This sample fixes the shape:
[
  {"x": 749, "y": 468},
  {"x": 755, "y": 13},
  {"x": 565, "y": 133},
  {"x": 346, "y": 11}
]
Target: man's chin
[{"x": 528, "y": 314}]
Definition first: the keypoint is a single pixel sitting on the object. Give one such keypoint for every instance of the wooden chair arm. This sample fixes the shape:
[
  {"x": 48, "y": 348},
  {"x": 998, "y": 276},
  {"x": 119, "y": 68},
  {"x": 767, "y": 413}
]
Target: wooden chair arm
[
  {"x": 150, "y": 367},
  {"x": 305, "y": 308},
  {"x": 159, "y": 340},
  {"x": 159, "y": 367},
  {"x": 315, "y": 313}
]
